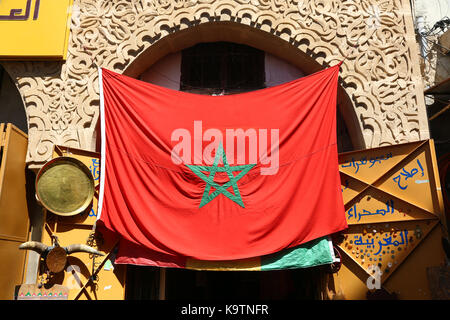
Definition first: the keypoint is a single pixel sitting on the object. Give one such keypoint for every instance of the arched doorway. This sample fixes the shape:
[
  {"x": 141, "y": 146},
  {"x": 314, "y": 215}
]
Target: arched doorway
[
  {"x": 217, "y": 68},
  {"x": 11, "y": 105},
  {"x": 269, "y": 43},
  {"x": 222, "y": 68}
]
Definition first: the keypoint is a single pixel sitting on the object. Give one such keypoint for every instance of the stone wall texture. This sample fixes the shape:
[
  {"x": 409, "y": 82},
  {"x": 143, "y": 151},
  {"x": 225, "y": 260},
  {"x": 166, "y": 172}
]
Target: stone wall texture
[{"x": 380, "y": 73}]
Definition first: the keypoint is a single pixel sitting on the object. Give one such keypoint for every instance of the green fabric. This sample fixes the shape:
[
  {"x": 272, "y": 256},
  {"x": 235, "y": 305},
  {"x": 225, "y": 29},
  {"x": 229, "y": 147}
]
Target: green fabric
[{"x": 313, "y": 253}]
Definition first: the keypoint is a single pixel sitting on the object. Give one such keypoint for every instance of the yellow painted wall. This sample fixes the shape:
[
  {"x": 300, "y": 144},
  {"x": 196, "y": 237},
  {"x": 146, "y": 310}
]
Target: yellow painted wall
[
  {"x": 14, "y": 221},
  {"x": 109, "y": 283},
  {"x": 394, "y": 209}
]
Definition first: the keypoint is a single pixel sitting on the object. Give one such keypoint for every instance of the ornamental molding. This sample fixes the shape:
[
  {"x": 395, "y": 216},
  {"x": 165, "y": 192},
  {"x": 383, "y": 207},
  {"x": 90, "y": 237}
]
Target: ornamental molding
[{"x": 380, "y": 73}]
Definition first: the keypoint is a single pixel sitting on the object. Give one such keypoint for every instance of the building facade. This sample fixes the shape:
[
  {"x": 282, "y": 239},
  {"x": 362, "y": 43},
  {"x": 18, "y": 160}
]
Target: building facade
[{"x": 381, "y": 87}]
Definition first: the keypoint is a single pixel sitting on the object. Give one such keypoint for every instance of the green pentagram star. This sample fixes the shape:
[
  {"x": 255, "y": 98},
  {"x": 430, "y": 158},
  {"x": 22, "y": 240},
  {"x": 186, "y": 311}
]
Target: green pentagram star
[{"x": 198, "y": 170}]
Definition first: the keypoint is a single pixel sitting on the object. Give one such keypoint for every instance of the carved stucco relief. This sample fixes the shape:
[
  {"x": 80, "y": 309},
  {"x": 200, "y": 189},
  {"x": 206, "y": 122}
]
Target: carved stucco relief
[{"x": 380, "y": 72}]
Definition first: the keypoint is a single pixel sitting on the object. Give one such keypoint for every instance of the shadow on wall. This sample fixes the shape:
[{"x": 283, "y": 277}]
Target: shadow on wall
[{"x": 11, "y": 105}]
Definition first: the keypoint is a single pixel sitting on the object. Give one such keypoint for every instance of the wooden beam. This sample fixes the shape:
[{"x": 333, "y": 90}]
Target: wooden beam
[{"x": 437, "y": 114}]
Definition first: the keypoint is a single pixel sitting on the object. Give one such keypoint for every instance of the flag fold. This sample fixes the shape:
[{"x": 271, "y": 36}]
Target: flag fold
[{"x": 220, "y": 177}]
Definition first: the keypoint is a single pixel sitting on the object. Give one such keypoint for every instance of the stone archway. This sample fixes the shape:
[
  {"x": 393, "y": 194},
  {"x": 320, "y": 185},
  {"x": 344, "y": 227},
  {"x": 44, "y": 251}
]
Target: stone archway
[
  {"x": 380, "y": 74},
  {"x": 242, "y": 34}
]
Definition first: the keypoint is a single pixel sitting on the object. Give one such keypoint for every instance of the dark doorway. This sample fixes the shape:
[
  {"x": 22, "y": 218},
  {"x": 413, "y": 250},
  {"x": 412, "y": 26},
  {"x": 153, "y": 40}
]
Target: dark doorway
[
  {"x": 228, "y": 285},
  {"x": 143, "y": 283},
  {"x": 11, "y": 105}
]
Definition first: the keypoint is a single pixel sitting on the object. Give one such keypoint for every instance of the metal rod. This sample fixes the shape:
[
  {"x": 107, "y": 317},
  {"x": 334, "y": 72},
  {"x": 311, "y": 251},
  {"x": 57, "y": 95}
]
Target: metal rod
[
  {"x": 97, "y": 270},
  {"x": 437, "y": 114}
]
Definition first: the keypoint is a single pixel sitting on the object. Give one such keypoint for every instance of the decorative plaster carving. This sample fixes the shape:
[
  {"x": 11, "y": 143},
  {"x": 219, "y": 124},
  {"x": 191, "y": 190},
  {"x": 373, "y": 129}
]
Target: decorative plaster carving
[{"x": 380, "y": 73}]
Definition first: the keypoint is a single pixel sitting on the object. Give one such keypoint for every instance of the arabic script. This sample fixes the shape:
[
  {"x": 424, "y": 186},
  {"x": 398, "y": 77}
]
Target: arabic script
[
  {"x": 353, "y": 212},
  {"x": 16, "y": 14},
  {"x": 363, "y": 161},
  {"x": 407, "y": 175},
  {"x": 385, "y": 242}
]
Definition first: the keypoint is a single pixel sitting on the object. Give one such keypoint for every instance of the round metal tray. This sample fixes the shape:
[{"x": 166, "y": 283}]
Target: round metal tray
[{"x": 65, "y": 186}]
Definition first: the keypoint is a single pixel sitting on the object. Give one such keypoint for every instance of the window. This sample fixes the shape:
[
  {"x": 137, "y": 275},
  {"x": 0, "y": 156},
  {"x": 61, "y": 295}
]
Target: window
[{"x": 222, "y": 68}]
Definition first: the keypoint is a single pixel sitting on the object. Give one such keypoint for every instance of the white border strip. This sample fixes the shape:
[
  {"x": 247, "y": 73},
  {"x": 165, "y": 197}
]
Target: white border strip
[
  {"x": 103, "y": 145},
  {"x": 333, "y": 256}
]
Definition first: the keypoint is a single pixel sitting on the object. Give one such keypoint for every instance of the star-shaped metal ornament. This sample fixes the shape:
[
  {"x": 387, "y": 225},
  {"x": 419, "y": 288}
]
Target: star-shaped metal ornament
[{"x": 207, "y": 197}]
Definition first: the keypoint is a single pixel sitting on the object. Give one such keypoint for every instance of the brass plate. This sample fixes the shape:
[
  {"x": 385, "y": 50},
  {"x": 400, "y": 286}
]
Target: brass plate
[{"x": 65, "y": 186}]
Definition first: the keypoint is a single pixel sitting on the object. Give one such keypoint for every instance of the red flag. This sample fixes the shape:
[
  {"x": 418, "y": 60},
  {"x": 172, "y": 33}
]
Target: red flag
[{"x": 220, "y": 177}]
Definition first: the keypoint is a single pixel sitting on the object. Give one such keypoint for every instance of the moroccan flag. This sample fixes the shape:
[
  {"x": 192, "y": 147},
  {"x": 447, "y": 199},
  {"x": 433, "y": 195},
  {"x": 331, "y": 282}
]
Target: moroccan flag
[
  {"x": 219, "y": 177},
  {"x": 313, "y": 253}
]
